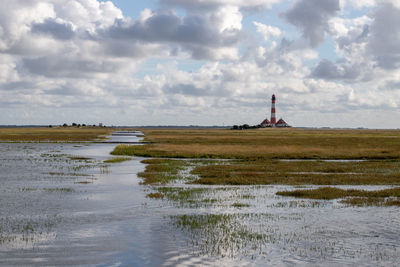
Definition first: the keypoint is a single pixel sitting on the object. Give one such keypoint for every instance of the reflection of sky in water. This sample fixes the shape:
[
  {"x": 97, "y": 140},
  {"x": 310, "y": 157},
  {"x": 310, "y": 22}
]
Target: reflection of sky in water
[{"x": 110, "y": 222}]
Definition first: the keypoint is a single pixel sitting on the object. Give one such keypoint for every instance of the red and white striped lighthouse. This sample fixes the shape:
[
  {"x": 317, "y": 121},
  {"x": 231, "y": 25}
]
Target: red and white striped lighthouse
[{"x": 273, "y": 112}]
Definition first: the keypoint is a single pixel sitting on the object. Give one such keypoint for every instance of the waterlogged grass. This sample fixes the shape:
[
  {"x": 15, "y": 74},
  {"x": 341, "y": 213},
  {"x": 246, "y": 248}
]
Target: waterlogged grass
[
  {"x": 55, "y": 134},
  {"x": 240, "y": 205},
  {"x": 155, "y": 195},
  {"x": 117, "y": 160},
  {"x": 388, "y": 197},
  {"x": 221, "y": 234},
  {"x": 183, "y": 196},
  {"x": 61, "y": 190},
  {"x": 80, "y": 158},
  {"x": 371, "y": 201},
  {"x": 333, "y": 193},
  {"x": 26, "y": 230},
  {"x": 162, "y": 171}
]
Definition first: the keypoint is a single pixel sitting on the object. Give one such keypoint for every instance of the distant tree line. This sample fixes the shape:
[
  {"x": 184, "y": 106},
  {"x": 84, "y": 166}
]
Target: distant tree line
[
  {"x": 78, "y": 125},
  {"x": 245, "y": 127}
]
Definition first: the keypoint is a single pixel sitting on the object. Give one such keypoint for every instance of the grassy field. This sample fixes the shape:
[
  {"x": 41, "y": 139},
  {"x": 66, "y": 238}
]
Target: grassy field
[
  {"x": 269, "y": 144},
  {"x": 272, "y": 156},
  {"x": 54, "y": 134}
]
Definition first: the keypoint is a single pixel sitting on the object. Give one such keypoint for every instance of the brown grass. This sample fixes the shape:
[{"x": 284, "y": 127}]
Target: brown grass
[
  {"x": 256, "y": 153},
  {"x": 300, "y": 172},
  {"x": 155, "y": 195},
  {"x": 268, "y": 144},
  {"x": 55, "y": 134}
]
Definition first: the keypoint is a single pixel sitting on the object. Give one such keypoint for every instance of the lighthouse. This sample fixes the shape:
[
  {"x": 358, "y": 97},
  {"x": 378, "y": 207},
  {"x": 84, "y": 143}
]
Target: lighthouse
[
  {"x": 273, "y": 111},
  {"x": 273, "y": 122}
]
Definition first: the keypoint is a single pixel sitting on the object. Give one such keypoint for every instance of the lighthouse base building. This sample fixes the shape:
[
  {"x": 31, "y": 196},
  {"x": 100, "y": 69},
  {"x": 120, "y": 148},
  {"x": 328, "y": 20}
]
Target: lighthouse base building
[{"x": 273, "y": 122}]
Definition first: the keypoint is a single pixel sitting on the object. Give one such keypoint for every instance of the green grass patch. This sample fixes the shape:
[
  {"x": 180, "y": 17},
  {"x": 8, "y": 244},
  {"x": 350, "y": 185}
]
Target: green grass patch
[
  {"x": 162, "y": 171},
  {"x": 117, "y": 160},
  {"x": 54, "y": 134}
]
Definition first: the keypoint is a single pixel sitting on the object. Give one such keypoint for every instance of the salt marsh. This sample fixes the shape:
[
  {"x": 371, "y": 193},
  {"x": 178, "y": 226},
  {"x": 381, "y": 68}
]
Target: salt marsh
[{"x": 61, "y": 204}]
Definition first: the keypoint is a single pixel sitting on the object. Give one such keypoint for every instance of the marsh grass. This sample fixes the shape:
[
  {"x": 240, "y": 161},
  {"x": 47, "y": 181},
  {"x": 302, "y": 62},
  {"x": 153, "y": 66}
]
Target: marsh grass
[
  {"x": 182, "y": 195},
  {"x": 240, "y": 205},
  {"x": 257, "y": 154},
  {"x": 61, "y": 190},
  {"x": 162, "y": 171},
  {"x": 300, "y": 172},
  {"x": 84, "y": 182},
  {"x": 385, "y": 197},
  {"x": 371, "y": 201},
  {"x": 156, "y": 195},
  {"x": 117, "y": 160},
  {"x": 221, "y": 234},
  {"x": 55, "y": 134},
  {"x": 268, "y": 144},
  {"x": 80, "y": 158}
]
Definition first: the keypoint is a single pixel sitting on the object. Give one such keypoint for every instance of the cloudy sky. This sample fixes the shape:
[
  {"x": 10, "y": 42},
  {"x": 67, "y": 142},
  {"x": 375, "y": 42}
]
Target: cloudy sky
[{"x": 200, "y": 62}]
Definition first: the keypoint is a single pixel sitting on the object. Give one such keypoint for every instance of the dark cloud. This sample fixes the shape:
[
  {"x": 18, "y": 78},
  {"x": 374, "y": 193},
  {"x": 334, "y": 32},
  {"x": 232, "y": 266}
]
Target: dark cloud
[
  {"x": 312, "y": 16},
  {"x": 195, "y": 34},
  {"x": 68, "y": 66},
  {"x": 171, "y": 28},
  {"x": 391, "y": 85},
  {"x": 61, "y": 31},
  {"x": 20, "y": 85},
  {"x": 330, "y": 71},
  {"x": 384, "y": 43}
]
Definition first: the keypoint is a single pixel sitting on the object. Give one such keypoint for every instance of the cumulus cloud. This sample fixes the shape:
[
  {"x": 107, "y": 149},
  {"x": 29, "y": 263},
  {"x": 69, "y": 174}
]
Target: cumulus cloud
[
  {"x": 84, "y": 56},
  {"x": 195, "y": 34},
  {"x": 267, "y": 31},
  {"x": 364, "y": 45},
  {"x": 311, "y": 17}
]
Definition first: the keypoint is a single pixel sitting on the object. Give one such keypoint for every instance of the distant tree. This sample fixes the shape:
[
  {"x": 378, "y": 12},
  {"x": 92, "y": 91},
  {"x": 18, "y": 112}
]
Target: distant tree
[
  {"x": 65, "y": 125},
  {"x": 50, "y": 126},
  {"x": 235, "y": 127},
  {"x": 83, "y": 125},
  {"x": 74, "y": 124},
  {"x": 246, "y": 126}
]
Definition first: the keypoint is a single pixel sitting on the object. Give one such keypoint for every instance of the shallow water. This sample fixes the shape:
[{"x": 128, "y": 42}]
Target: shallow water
[{"x": 61, "y": 205}]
